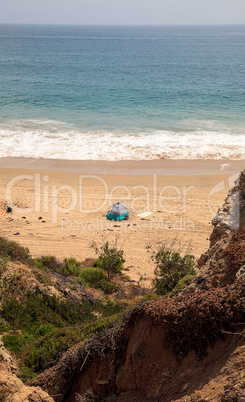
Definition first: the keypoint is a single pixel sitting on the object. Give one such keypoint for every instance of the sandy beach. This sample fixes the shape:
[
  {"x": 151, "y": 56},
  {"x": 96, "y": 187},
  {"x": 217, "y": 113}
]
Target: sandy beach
[{"x": 59, "y": 207}]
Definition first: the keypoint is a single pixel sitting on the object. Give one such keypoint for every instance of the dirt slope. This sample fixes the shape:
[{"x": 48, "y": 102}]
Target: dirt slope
[{"x": 166, "y": 350}]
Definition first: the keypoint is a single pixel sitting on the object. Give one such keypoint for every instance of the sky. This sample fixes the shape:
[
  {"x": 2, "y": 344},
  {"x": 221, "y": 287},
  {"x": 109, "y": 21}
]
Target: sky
[{"x": 123, "y": 12}]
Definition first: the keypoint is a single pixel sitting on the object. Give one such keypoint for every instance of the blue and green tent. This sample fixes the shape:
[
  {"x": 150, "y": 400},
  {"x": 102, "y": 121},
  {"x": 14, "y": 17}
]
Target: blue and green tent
[{"x": 118, "y": 212}]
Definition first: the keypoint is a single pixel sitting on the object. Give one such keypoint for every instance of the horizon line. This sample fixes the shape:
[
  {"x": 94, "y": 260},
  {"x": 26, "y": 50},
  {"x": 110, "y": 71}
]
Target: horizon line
[{"x": 122, "y": 25}]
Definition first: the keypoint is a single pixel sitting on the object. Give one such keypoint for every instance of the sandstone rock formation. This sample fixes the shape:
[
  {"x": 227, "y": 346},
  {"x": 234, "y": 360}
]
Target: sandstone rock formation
[
  {"x": 219, "y": 265},
  {"x": 11, "y": 387}
]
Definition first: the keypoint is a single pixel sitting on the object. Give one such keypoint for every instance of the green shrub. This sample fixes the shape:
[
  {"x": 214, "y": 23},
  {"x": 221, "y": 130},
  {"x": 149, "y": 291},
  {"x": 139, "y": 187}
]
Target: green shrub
[
  {"x": 14, "y": 285},
  {"x": 98, "y": 263},
  {"x": 150, "y": 296},
  {"x": 14, "y": 251},
  {"x": 73, "y": 266},
  {"x": 110, "y": 260},
  {"x": 170, "y": 268},
  {"x": 45, "y": 351},
  {"x": 40, "y": 346},
  {"x": 110, "y": 303},
  {"x": 43, "y": 330},
  {"x": 4, "y": 326},
  {"x": 25, "y": 373},
  {"x": 38, "y": 310},
  {"x": 3, "y": 266},
  {"x": 49, "y": 263},
  {"x": 38, "y": 314},
  {"x": 16, "y": 342},
  {"x": 93, "y": 276},
  {"x": 181, "y": 285},
  {"x": 43, "y": 326},
  {"x": 108, "y": 287},
  {"x": 37, "y": 262}
]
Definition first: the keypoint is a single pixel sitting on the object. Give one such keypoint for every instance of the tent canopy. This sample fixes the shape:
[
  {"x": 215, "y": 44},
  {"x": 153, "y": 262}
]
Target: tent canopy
[{"x": 118, "y": 212}]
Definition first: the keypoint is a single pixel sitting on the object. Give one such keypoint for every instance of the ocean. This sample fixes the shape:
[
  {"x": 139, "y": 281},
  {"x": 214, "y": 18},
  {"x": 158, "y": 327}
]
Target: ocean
[{"x": 122, "y": 92}]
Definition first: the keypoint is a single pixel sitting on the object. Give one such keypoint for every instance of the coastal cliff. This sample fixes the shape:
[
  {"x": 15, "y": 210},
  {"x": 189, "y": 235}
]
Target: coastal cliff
[
  {"x": 189, "y": 348},
  {"x": 166, "y": 350},
  {"x": 225, "y": 259}
]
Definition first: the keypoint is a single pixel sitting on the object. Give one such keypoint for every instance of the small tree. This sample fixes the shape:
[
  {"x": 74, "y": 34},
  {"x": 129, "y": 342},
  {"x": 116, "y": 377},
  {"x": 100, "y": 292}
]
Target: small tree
[
  {"x": 170, "y": 267},
  {"x": 109, "y": 259}
]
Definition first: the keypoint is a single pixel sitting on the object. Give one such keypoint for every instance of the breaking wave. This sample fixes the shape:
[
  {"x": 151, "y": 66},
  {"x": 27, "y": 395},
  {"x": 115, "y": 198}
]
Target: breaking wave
[{"x": 56, "y": 140}]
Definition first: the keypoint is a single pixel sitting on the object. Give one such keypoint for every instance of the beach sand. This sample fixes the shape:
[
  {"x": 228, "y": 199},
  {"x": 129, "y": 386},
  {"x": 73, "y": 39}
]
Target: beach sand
[{"x": 59, "y": 207}]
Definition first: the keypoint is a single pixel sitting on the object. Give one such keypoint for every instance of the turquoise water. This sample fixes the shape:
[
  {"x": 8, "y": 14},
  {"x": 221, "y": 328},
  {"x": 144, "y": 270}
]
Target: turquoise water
[{"x": 88, "y": 92}]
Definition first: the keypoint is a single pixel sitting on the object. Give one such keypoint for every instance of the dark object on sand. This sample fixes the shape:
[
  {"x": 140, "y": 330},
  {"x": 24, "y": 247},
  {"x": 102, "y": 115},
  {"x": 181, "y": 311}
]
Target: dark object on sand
[{"x": 9, "y": 209}]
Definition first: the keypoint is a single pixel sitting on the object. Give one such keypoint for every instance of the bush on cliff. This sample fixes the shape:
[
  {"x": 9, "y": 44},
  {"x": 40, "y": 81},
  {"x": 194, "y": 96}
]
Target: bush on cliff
[
  {"x": 70, "y": 266},
  {"x": 171, "y": 267},
  {"x": 14, "y": 251},
  {"x": 181, "y": 285},
  {"x": 92, "y": 276},
  {"x": 110, "y": 259}
]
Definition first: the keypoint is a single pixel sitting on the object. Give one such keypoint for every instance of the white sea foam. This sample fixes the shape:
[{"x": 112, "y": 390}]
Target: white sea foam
[{"x": 56, "y": 141}]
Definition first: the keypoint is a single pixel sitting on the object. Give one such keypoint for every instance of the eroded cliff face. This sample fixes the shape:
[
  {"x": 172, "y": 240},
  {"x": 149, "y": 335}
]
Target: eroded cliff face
[
  {"x": 231, "y": 216},
  {"x": 166, "y": 350},
  {"x": 150, "y": 371},
  {"x": 223, "y": 262}
]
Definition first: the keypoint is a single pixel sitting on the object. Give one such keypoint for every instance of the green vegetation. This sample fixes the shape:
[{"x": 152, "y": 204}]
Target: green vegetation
[
  {"x": 15, "y": 252},
  {"x": 171, "y": 267},
  {"x": 107, "y": 265},
  {"x": 39, "y": 328},
  {"x": 181, "y": 285},
  {"x": 70, "y": 266},
  {"x": 4, "y": 326},
  {"x": 150, "y": 296},
  {"x": 25, "y": 373},
  {"x": 109, "y": 259},
  {"x": 3, "y": 267},
  {"x": 108, "y": 287},
  {"x": 93, "y": 276},
  {"x": 43, "y": 327}
]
